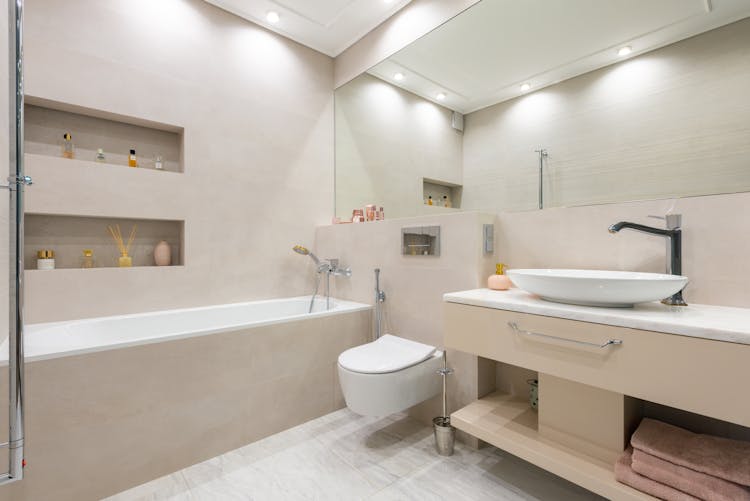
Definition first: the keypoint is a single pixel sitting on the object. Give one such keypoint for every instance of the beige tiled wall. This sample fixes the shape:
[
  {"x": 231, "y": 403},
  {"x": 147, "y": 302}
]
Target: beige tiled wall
[{"x": 257, "y": 112}]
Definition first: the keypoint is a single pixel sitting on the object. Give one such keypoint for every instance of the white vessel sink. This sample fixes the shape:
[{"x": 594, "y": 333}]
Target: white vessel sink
[{"x": 619, "y": 289}]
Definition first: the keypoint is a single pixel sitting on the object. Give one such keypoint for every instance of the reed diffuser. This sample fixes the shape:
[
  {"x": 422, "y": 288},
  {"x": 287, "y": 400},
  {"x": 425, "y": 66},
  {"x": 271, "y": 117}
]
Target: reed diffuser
[{"x": 125, "y": 260}]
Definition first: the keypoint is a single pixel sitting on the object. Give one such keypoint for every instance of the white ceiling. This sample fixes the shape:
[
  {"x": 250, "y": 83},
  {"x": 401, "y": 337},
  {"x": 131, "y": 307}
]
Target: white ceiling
[
  {"x": 328, "y": 26},
  {"x": 482, "y": 56}
]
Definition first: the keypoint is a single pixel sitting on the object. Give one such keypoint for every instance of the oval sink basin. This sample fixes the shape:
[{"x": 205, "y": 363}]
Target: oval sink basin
[{"x": 620, "y": 289}]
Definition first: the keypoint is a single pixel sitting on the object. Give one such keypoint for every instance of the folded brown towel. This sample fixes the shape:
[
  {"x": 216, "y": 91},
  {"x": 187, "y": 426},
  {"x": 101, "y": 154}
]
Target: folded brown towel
[
  {"x": 692, "y": 482},
  {"x": 625, "y": 474},
  {"x": 720, "y": 457}
]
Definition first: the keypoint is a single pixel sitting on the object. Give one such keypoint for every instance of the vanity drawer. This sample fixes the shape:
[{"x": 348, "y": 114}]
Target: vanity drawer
[{"x": 698, "y": 375}]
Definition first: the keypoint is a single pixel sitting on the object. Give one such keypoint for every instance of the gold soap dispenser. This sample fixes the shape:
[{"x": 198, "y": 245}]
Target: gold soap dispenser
[{"x": 499, "y": 281}]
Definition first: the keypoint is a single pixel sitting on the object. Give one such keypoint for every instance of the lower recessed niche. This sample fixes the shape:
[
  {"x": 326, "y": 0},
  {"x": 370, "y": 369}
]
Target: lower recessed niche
[{"x": 69, "y": 236}]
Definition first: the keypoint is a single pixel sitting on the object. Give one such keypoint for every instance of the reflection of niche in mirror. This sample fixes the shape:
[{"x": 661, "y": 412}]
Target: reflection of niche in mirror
[
  {"x": 444, "y": 194},
  {"x": 387, "y": 141}
]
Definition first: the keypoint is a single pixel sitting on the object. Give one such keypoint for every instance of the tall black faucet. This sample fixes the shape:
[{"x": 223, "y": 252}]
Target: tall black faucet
[{"x": 674, "y": 233}]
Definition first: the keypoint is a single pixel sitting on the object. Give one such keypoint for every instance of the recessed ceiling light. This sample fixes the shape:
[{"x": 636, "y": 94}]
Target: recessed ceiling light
[
  {"x": 441, "y": 96},
  {"x": 273, "y": 17},
  {"x": 525, "y": 87},
  {"x": 624, "y": 51},
  {"x": 398, "y": 76}
]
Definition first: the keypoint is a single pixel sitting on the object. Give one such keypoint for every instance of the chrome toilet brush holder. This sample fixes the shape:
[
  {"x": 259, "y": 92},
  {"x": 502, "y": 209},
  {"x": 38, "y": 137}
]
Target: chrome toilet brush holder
[{"x": 445, "y": 434}]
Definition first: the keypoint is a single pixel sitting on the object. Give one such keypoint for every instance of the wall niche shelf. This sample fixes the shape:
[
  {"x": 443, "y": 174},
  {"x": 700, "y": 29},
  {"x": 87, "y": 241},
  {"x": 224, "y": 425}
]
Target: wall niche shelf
[
  {"x": 33, "y": 160},
  {"x": 420, "y": 241},
  {"x": 68, "y": 236},
  {"x": 46, "y": 121},
  {"x": 438, "y": 189}
]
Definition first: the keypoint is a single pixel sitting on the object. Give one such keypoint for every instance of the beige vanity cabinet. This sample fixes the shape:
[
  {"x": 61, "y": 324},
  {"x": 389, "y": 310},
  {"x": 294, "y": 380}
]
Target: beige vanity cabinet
[{"x": 592, "y": 378}]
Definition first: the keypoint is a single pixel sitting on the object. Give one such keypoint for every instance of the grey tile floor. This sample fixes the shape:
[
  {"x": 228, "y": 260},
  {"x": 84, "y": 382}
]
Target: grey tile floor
[{"x": 343, "y": 456}]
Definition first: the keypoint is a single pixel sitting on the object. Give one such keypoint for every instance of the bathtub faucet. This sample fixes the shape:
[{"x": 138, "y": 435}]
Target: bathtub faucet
[
  {"x": 331, "y": 268},
  {"x": 327, "y": 266}
]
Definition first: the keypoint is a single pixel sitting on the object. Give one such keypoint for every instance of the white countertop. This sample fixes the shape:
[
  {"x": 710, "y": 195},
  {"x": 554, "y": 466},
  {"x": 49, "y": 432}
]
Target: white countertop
[{"x": 719, "y": 323}]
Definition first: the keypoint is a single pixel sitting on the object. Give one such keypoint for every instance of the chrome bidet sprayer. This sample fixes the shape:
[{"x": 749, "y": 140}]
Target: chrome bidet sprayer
[{"x": 379, "y": 300}]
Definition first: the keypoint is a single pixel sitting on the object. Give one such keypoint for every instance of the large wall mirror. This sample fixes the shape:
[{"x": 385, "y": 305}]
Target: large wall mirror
[{"x": 512, "y": 105}]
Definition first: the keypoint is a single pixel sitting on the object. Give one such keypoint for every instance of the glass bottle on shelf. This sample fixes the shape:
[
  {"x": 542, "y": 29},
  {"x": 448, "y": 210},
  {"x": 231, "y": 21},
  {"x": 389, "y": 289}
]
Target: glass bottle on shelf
[
  {"x": 88, "y": 259},
  {"x": 158, "y": 163},
  {"x": 68, "y": 150},
  {"x": 100, "y": 156},
  {"x": 132, "y": 159}
]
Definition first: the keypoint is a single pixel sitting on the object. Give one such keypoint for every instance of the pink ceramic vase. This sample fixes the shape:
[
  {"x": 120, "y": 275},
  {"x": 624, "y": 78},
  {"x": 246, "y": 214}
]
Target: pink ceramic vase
[{"x": 162, "y": 254}]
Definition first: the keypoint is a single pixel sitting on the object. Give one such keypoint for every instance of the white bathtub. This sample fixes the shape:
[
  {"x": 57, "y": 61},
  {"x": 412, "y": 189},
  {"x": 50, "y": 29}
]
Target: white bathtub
[{"x": 58, "y": 339}]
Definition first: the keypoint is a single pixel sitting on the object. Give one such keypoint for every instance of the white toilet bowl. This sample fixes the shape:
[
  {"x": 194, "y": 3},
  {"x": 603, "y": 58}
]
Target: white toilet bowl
[{"x": 389, "y": 375}]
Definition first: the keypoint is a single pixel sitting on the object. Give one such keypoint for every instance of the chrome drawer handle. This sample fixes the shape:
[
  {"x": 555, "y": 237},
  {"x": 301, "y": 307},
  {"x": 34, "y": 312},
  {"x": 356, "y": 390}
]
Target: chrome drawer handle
[{"x": 517, "y": 330}]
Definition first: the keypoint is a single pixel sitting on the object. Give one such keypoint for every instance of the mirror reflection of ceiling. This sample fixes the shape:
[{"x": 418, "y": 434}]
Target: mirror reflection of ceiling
[{"x": 486, "y": 54}]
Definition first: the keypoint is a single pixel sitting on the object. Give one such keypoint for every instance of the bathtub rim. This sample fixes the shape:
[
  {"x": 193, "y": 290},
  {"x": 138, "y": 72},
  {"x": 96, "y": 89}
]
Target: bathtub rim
[{"x": 346, "y": 306}]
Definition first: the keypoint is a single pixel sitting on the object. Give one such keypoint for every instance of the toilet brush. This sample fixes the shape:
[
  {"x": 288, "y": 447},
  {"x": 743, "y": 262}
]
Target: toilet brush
[{"x": 445, "y": 434}]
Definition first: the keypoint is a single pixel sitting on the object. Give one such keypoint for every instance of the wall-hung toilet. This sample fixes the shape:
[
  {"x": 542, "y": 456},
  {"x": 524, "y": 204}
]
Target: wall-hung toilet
[{"x": 389, "y": 375}]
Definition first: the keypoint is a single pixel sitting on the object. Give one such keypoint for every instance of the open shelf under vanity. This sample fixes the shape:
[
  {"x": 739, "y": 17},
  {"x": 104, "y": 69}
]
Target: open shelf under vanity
[{"x": 509, "y": 423}]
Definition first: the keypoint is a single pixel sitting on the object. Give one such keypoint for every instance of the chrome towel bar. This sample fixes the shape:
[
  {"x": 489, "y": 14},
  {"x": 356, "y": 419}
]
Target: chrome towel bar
[{"x": 518, "y": 330}]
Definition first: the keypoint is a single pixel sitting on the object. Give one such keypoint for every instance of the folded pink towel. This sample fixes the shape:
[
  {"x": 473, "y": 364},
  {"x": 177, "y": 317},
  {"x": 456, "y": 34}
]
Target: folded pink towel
[
  {"x": 625, "y": 474},
  {"x": 692, "y": 482},
  {"x": 720, "y": 457}
]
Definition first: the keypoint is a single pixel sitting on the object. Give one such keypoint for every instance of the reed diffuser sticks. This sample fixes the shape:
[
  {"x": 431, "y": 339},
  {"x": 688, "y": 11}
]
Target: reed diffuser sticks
[{"x": 125, "y": 260}]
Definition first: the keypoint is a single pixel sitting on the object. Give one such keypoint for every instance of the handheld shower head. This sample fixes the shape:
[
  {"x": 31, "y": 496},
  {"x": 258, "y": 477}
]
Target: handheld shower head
[{"x": 299, "y": 249}]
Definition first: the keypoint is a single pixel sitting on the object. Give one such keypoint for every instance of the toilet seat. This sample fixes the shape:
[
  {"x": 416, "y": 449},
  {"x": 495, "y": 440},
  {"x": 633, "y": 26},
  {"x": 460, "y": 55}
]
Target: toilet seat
[
  {"x": 389, "y": 375},
  {"x": 386, "y": 354}
]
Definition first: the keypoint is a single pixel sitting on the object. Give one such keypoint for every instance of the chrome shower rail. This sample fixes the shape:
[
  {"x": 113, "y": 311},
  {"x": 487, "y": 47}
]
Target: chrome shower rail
[{"x": 17, "y": 181}]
